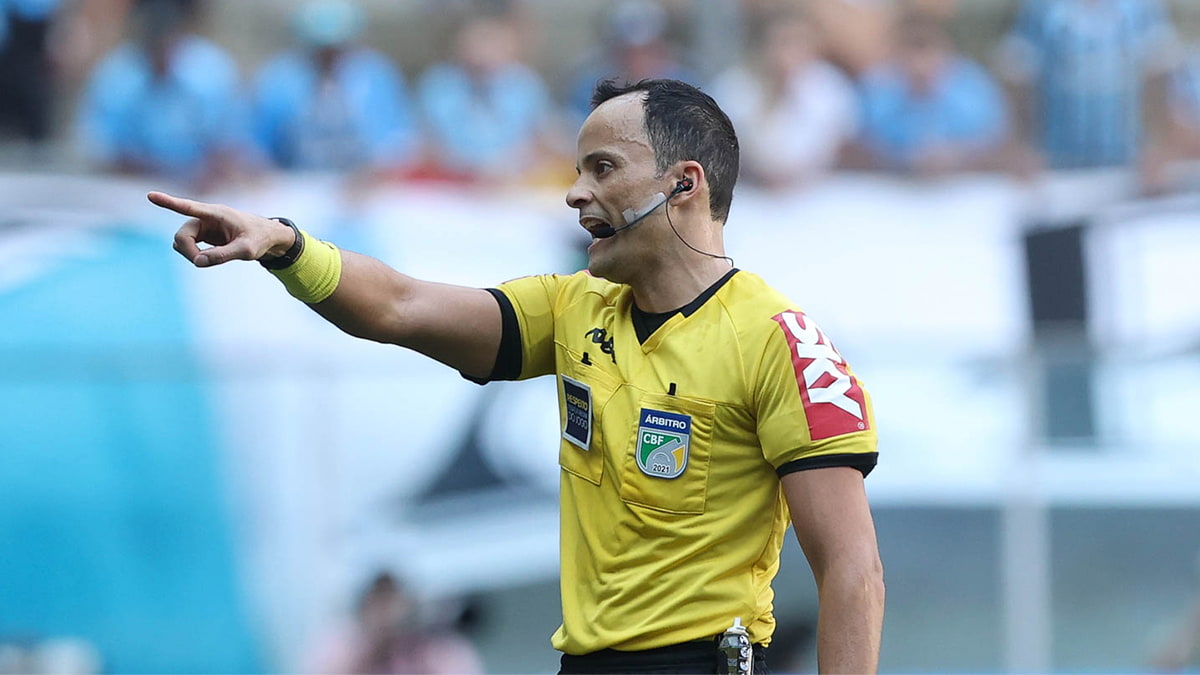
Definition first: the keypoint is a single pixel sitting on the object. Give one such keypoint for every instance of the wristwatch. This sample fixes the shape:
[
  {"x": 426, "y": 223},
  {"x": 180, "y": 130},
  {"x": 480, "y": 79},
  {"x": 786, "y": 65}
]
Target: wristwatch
[{"x": 290, "y": 256}]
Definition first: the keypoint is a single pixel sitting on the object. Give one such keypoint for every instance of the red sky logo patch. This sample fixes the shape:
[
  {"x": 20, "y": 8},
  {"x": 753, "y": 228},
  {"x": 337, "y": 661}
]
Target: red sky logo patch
[{"x": 834, "y": 403}]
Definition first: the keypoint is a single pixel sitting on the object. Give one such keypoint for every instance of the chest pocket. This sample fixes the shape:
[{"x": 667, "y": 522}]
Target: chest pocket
[
  {"x": 665, "y": 464},
  {"x": 581, "y": 450}
]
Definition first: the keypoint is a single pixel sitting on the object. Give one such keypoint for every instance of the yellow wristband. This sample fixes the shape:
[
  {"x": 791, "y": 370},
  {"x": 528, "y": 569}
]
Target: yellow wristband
[{"x": 315, "y": 274}]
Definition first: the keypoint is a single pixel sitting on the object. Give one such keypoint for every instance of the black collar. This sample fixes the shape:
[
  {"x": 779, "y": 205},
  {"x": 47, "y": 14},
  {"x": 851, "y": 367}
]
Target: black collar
[{"x": 645, "y": 323}]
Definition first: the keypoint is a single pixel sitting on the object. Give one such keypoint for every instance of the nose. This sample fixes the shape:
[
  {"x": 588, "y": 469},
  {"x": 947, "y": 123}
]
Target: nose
[{"x": 578, "y": 195}]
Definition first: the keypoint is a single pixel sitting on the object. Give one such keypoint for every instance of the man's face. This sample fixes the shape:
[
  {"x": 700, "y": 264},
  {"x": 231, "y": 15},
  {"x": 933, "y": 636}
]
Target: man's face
[
  {"x": 788, "y": 47},
  {"x": 616, "y": 172},
  {"x": 924, "y": 54}
]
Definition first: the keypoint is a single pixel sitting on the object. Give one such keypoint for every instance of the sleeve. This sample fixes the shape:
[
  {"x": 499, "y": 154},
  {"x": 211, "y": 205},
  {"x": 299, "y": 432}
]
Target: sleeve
[
  {"x": 812, "y": 411},
  {"x": 532, "y": 303}
]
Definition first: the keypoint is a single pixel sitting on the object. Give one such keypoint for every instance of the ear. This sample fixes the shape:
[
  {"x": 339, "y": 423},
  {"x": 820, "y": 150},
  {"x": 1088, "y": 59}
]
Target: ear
[{"x": 692, "y": 172}]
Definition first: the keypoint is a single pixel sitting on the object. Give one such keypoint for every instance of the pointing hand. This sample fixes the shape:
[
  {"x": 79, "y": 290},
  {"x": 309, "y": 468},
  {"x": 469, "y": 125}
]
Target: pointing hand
[{"x": 231, "y": 234}]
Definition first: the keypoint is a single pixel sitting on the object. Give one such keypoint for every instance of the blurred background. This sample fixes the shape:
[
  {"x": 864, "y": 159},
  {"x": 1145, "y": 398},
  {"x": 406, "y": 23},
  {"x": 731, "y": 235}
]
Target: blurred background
[{"x": 992, "y": 205}]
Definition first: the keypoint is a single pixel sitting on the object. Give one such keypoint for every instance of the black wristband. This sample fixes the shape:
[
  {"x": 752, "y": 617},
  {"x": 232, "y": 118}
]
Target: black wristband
[{"x": 290, "y": 256}]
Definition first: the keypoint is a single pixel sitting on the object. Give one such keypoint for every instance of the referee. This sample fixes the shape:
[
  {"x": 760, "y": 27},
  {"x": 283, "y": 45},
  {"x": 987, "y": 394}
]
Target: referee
[{"x": 701, "y": 411}]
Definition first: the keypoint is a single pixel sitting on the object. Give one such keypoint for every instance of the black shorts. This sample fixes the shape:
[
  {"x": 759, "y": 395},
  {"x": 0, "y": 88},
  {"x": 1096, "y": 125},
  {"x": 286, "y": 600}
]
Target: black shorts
[{"x": 687, "y": 657}]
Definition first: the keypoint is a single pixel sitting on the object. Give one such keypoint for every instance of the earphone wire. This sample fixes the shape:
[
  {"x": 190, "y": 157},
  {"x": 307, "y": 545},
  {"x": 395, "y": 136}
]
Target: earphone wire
[{"x": 667, "y": 213}]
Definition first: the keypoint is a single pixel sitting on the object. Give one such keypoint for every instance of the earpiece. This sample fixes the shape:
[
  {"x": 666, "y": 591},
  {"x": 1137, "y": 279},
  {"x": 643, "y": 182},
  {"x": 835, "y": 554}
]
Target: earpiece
[{"x": 634, "y": 217}]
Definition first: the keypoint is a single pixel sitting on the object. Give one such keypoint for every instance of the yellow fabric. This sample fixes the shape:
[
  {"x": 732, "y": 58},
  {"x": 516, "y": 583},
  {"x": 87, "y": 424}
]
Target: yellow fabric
[
  {"x": 315, "y": 274},
  {"x": 649, "y": 561}
]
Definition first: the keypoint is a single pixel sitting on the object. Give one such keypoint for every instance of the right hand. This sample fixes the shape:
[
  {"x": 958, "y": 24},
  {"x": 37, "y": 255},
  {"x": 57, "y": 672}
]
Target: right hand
[{"x": 232, "y": 234}]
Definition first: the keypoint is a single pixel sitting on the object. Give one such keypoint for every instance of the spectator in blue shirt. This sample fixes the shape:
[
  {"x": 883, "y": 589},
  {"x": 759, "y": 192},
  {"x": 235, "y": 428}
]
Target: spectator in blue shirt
[
  {"x": 931, "y": 110},
  {"x": 635, "y": 45},
  {"x": 1083, "y": 67},
  {"x": 486, "y": 111},
  {"x": 332, "y": 104},
  {"x": 168, "y": 104}
]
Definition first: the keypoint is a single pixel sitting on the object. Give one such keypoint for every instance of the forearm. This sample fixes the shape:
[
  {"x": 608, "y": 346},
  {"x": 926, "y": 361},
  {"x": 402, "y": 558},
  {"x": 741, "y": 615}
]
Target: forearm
[
  {"x": 456, "y": 325},
  {"x": 357, "y": 293},
  {"x": 368, "y": 300},
  {"x": 850, "y": 621}
]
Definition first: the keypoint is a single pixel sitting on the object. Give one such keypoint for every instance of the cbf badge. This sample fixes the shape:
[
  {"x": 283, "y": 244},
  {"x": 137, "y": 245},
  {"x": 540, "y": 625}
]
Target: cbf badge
[
  {"x": 577, "y": 400},
  {"x": 663, "y": 442}
]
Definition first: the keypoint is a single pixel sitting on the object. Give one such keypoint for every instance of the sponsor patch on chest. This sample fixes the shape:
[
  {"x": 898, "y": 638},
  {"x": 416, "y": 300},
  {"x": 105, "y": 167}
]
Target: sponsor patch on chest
[
  {"x": 577, "y": 401},
  {"x": 663, "y": 442}
]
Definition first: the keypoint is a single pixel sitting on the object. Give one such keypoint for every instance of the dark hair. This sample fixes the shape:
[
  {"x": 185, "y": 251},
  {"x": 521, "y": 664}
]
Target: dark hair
[{"x": 683, "y": 123}]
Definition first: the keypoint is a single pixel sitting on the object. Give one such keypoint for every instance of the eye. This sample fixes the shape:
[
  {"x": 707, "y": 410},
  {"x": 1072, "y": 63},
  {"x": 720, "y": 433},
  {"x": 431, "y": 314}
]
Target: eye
[{"x": 603, "y": 167}]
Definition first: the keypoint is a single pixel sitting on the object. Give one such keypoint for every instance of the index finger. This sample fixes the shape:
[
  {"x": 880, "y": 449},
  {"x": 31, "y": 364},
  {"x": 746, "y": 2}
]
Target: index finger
[{"x": 186, "y": 207}]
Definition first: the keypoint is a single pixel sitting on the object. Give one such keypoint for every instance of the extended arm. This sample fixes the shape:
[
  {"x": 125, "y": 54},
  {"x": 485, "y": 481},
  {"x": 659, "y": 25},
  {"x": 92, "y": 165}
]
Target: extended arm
[
  {"x": 834, "y": 526},
  {"x": 456, "y": 325}
]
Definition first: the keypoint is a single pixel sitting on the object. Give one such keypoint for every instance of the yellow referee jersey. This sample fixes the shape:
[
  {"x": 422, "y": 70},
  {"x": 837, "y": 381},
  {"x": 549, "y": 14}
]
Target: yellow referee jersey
[{"x": 675, "y": 430}]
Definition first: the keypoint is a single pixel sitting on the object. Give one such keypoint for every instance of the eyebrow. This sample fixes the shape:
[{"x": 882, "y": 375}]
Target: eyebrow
[{"x": 595, "y": 155}]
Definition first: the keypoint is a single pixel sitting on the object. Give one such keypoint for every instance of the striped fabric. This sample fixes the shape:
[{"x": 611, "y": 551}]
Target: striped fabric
[{"x": 1087, "y": 60}]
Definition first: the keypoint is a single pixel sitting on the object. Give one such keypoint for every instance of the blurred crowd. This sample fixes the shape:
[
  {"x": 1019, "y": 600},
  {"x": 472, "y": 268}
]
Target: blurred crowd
[
  {"x": 821, "y": 85},
  {"x": 385, "y": 635}
]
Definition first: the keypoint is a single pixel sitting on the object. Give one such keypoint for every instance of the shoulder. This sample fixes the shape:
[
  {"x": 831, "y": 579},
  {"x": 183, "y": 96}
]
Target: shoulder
[
  {"x": 881, "y": 79},
  {"x": 769, "y": 326},
  {"x": 748, "y": 290},
  {"x": 443, "y": 74},
  {"x": 204, "y": 66},
  {"x": 199, "y": 52},
  {"x": 567, "y": 289},
  {"x": 754, "y": 308},
  {"x": 583, "y": 287},
  {"x": 284, "y": 62},
  {"x": 553, "y": 303},
  {"x": 519, "y": 83},
  {"x": 967, "y": 69},
  {"x": 287, "y": 69}
]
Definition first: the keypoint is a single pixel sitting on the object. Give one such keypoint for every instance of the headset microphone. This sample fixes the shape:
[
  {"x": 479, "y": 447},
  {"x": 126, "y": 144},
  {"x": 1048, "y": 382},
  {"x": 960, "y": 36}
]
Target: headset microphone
[{"x": 633, "y": 217}]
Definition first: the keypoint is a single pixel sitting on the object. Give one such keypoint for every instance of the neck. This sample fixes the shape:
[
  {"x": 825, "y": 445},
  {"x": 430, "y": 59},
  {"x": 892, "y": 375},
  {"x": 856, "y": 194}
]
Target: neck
[{"x": 681, "y": 277}]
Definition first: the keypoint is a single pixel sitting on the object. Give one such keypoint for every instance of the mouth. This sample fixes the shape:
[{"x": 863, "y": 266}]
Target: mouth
[{"x": 593, "y": 224}]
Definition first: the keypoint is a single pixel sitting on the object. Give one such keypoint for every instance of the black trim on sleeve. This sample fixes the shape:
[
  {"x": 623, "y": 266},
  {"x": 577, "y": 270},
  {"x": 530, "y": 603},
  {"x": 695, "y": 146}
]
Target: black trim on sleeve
[
  {"x": 508, "y": 357},
  {"x": 863, "y": 461}
]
